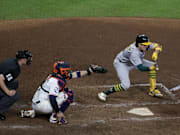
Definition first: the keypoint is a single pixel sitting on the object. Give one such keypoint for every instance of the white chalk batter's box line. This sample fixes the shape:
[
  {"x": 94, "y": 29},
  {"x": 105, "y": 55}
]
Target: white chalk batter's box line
[
  {"x": 126, "y": 104},
  {"x": 86, "y": 123},
  {"x": 18, "y": 106},
  {"x": 164, "y": 88}
]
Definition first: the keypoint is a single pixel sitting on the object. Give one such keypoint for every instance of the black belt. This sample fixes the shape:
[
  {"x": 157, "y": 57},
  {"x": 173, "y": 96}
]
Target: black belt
[
  {"x": 44, "y": 89},
  {"x": 37, "y": 102},
  {"x": 120, "y": 61}
]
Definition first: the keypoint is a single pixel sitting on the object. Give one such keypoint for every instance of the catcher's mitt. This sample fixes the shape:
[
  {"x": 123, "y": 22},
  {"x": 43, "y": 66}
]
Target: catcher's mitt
[{"x": 97, "y": 69}]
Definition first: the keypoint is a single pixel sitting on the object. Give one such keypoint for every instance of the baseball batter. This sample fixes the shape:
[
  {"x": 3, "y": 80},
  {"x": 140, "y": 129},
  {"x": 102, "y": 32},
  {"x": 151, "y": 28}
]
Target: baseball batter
[
  {"x": 52, "y": 96},
  {"x": 131, "y": 58}
]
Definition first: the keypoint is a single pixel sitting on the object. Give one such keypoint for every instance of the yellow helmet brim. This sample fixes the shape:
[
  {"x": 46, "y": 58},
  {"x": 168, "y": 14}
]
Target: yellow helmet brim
[{"x": 146, "y": 43}]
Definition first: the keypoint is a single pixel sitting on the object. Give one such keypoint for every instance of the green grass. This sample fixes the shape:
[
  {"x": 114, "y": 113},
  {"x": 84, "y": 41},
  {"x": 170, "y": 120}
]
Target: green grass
[{"x": 20, "y": 9}]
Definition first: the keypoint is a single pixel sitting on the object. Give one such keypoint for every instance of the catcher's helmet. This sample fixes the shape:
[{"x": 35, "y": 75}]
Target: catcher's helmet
[
  {"x": 24, "y": 54},
  {"x": 143, "y": 39},
  {"x": 62, "y": 68}
]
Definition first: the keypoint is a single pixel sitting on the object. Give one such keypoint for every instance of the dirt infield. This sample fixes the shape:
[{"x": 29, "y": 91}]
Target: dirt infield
[{"x": 80, "y": 42}]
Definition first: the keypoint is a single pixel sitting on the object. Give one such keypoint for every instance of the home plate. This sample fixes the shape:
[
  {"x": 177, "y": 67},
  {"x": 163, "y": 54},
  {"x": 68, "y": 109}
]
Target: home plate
[{"x": 143, "y": 111}]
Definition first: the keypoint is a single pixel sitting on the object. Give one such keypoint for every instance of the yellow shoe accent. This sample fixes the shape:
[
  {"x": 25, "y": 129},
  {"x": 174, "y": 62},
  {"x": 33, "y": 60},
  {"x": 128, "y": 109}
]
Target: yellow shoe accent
[{"x": 155, "y": 93}]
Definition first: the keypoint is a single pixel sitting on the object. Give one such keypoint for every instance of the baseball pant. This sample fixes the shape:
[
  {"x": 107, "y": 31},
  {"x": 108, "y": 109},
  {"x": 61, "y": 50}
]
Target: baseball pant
[
  {"x": 123, "y": 70},
  {"x": 7, "y": 101},
  {"x": 44, "y": 106}
]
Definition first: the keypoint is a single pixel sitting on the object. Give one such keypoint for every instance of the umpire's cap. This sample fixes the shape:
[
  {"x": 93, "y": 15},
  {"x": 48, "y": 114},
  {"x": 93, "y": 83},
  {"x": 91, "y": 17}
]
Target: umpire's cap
[{"x": 24, "y": 54}]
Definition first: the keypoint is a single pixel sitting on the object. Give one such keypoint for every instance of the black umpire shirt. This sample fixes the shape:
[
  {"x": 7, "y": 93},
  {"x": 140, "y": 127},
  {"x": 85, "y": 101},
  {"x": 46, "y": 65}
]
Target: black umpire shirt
[{"x": 10, "y": 69}]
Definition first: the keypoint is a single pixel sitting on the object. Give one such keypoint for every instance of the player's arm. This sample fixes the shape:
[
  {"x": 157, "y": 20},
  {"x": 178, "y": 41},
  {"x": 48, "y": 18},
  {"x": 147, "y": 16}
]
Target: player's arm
[
  {"x": 143, "y": 68},
  {"x": 60, "y": 110},
  {"x": 59, "y": 113},
  {"x": 55, "y": 87},
  {"x": 137, "y": 61},
  {"x": 4, "y": 87},
  {"x": 79, "y": 74},
  {"x": 157, "y": 49},
  {"x": 53, "y": 102},
  {"x": 92, "y": 69}
]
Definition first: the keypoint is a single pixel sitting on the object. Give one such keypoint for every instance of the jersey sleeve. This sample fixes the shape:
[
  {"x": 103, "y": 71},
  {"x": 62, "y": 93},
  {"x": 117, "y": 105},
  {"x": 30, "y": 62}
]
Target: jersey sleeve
[
  {"x": 8, "y": 76},
  {"x": 10, "y": 70}
]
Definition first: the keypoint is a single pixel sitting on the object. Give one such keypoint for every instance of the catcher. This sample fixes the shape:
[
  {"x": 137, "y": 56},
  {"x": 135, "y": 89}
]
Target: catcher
[
  {"x": 52, "y": 96},
  {"x": 133, "y": 58}
]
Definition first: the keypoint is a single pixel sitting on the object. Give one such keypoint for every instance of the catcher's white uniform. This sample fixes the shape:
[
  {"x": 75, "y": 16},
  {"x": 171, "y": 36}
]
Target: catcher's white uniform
[
  {"x": 52, "y": 96},
  {"x": 52, "y": 86}
]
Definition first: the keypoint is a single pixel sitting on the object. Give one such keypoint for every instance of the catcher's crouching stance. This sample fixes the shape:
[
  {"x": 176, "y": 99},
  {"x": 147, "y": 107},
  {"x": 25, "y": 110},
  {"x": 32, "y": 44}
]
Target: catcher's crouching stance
[{"x": 52, "y": 96}]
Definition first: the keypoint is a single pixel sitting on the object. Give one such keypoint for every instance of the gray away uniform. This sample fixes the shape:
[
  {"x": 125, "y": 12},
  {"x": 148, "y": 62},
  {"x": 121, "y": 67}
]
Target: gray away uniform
[{"x": 127, "y": 60}]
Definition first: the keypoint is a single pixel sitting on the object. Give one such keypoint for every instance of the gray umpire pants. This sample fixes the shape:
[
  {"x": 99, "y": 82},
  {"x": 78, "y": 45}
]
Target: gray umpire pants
[{"x": 7, "y": 101}]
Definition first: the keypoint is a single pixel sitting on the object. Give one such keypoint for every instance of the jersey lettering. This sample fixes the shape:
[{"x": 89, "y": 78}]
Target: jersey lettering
[
  {"x": 9, "y": 77},
  {"x": 129, "y": 48},
  {"x": 56, "y": 90}
]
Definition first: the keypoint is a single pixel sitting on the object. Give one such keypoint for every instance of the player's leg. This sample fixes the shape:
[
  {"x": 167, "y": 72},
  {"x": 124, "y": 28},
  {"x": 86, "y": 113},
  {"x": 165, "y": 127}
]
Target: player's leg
[
  {"x": 7, "y": 101},
  {"x": 38, "y": 107},
  {"x": 30, "y": 113},
  {"x": 153, "y": 91},
  {"x": 122, "y": 70}
]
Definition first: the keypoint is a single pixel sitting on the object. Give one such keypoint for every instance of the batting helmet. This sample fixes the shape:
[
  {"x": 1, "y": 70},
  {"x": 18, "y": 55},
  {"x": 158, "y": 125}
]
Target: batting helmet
[
  {"x": 24, "y": 54},
  {"x": 143, "y": 39},
  {"x": 62, "y": 68}
]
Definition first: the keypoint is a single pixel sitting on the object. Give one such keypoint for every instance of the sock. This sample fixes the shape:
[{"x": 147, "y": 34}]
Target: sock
[
  {"x": 111, "y": 90},
  {"x": 116, "y": 88},
  {"x": 152, "y": 80}
]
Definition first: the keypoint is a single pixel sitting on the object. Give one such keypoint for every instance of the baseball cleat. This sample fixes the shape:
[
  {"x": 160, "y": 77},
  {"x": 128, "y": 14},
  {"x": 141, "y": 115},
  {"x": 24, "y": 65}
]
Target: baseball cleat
[
  {"x": 155, "y": 93},
  {"x": 102, "y": 96},
  {"x": 27, "y": 114},
  {"x": 53, "y": 118},
  {"x": 62, "y": 121}
]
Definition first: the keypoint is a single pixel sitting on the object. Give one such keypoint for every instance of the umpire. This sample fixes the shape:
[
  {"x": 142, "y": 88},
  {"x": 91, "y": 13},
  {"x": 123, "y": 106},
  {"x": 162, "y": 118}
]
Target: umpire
[{"x": 9, "y": 71}]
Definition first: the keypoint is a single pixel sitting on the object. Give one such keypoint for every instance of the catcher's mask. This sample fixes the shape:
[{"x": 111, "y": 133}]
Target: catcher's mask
[
  {"x": 143, "y": 40},
  {"x": 62, "y": 68},
  {"x": 24, "y": 54}
]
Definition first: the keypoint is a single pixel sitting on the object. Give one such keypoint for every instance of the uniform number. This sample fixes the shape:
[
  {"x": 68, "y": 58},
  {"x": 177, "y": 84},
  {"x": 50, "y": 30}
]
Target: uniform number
[{"x": 9, "y": 77}]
